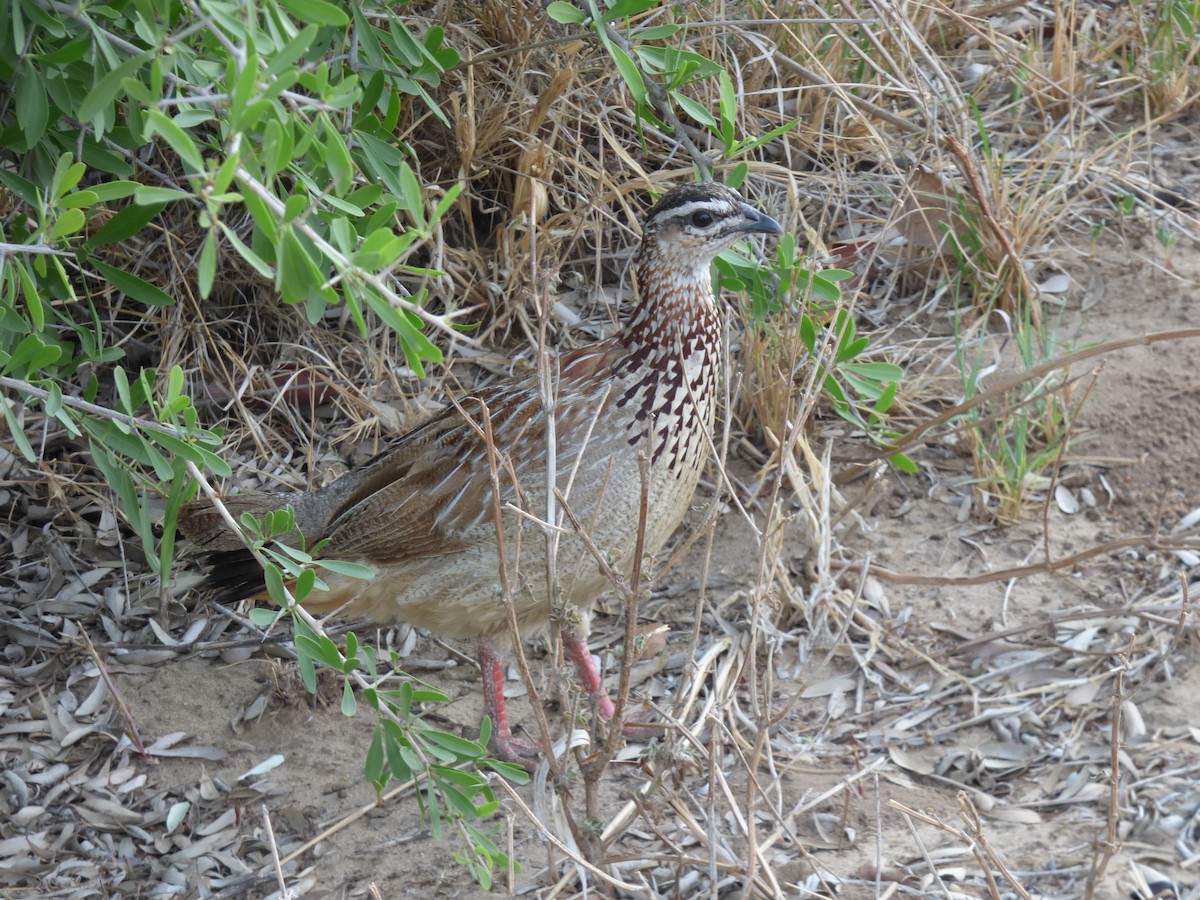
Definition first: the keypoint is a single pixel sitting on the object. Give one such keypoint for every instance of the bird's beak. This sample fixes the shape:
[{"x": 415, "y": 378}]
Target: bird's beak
[{"x": 758, "y": 223}]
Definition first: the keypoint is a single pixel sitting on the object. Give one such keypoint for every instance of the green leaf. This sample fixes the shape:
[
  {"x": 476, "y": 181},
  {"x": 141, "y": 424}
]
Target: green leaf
[
  {"x": 145, "y": 195},
  {"x": 383, "y": 161},
  {"x": 195, "y": 453},
  {"x": 308, "y": 670},
  {"x": 511, "y": 771},
  {"x": 295, "y": 207},
  {"x": 16, "y": 431},
  {"x": 397, "y": 764},
  {"x": 33, "y": 112},
  {"x": 226, "y": 172},
  {"x": 728, "y": 107},
  {"x": 368, "y": 658},
  {"x": 836, "y": 275},
  {"x": 114, "y": 190},
  {"x": 182, "y": 490},
  {"x": 321, "y": 648},
  {"x": 125, "y": 224},
  {"x": 885, "y": 401},
  {"x": 697, "y": 111},
  {"x": 68, "y": 223},
  {"x": 106, "y": 90},
  {"x": 245, "y": 88},
  {"x": 297, "y": 274},
  {"x": 274, "y": 579},
  {"x": 53, "y": 405},
  {"x": 823, "y": 289},
  {"x": 316, "y": 12},
  {"x": 629, "y": 74},
  {"x": 903, "y": 463},
  {"x": 349, "y": 705},
  {"x": 180, "y": 140},
  {"x": 304, "y": 585},
  {"x": 851, "y": 349},
  {"x": 192, "y": 118},
  {"x": 808, "y": 333},
  {"x": 876, "y": 371},
  {"x": 337, "y": 159},
  {"x": 404, "y": 700},
  {"x": 416, "y": 345},
  {"x": 174, "y": 384},
  {"x": 256, "y": 261},
  {"x": 566, "y": 13},
  {"x": 206, "y": 271},
  {"x": 460, "y": 747},
  {"x": 373, "y": 767},
  {"x": 79, "y": 200},
  {"x": 753, "y": 144},
  {"x": 657, "y": 32},
  {"x": 116, "y": 438},
  {"x": 623, "y": 9},
  {"x": 121, "y": 382},
  {"x": 457, "y": 800},
  {"x": 133, "y": 286},
  {"x": 429, "y": 694},
  {"x": 264, "y": 616},
  {"x": 285, "y": 56},
  {"x": 67, "y": 174},
  {"x": 30, "y": 355},
  {"x": 121, "y": 483},
  {"x": 446, "y": 202},
  {"x": 24, "y": 189},
  {"x": 289, "y": 552}
]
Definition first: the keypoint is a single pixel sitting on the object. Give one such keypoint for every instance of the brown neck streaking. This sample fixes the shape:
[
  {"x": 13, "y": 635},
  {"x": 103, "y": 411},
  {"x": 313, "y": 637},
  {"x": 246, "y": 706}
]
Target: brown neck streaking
[
  {"x": 676, "y": 309},
  {"x": 673, "y": 350}
]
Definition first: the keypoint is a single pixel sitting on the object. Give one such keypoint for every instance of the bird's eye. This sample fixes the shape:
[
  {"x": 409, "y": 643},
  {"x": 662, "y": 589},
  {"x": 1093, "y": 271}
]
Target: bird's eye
[{"x": 702, "y": 218}]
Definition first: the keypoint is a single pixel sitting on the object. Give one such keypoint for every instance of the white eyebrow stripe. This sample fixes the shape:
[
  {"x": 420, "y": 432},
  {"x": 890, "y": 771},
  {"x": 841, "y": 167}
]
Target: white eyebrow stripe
[{"x": 717, "y": 207}]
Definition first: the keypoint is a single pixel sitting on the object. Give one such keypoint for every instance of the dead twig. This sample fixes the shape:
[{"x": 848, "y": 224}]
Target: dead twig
[
  {"x": 1110, "y": 844},
  {"x": 1150, "y": 542}
]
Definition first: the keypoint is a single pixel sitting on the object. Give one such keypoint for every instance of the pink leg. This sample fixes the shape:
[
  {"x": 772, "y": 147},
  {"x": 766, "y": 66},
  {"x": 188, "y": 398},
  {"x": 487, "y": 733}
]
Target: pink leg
[
  {"x": 577, "y": 651},
  {"x": 503, "y": 745}
]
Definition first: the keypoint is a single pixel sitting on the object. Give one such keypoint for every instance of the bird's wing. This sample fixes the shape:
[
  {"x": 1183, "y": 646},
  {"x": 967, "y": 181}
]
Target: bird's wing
[
  {"x": 432, "y": 493},
  {"x": 420, "y": 499}
]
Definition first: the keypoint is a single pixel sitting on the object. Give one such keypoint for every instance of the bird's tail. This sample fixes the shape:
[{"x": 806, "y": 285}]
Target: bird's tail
[{"x": 232, "y": 572}]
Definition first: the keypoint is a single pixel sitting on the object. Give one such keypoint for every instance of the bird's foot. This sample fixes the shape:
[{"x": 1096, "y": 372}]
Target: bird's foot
[{"x": 507, "y": 748}]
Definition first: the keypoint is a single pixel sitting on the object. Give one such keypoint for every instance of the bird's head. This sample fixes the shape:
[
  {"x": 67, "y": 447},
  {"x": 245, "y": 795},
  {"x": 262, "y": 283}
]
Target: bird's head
[{"x": 692, "y": 223}]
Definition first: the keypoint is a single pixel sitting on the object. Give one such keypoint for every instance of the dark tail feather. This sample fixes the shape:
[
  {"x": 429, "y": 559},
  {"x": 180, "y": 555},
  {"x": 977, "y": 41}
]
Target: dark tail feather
[
  {"x": 232, "y": 572},
  {"x": 233, "y": 575}
]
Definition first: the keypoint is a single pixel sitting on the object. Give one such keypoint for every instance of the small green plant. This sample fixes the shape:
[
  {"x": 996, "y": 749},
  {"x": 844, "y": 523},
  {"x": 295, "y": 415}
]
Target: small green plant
[
  {"x": 661, "y": 76},
  {"x": 860, "y": 390},
  {"x": 247, "y": 124},
  {"x": 1167, "y": 237},
  {"x": 1015, "y": 437},
  {"x": 448, "y": 771},
  {"x": 1165, "y": 54}
]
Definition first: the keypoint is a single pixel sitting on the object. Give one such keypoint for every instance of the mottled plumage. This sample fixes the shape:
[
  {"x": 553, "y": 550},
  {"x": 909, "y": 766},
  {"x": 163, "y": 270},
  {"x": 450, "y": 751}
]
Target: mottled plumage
[{"x": 422, "y": 514}]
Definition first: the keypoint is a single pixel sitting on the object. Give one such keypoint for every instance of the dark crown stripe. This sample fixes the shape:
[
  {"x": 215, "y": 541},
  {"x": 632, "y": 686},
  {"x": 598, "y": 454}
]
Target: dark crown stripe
[{"x": 717, "y": 194}]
